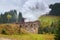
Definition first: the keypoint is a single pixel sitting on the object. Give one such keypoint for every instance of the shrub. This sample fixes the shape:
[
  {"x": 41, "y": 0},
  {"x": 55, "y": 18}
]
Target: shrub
[
  {"x": 58, "y": 32},
  {"x": 4, "y": 31}
]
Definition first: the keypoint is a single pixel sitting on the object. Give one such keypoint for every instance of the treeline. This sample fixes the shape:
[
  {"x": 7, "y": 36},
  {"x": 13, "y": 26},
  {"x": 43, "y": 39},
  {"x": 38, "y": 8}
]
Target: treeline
[
  {"x": 55, "y": 9},
  {"x": 11, "y": 17}
]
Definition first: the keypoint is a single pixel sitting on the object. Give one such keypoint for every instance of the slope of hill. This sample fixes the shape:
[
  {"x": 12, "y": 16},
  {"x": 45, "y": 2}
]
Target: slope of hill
[{"x": 48, "y": 20}]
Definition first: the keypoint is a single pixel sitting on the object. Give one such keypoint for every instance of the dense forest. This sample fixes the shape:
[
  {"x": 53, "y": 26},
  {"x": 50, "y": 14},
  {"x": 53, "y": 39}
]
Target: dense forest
[{"x": 11, "y": 17}]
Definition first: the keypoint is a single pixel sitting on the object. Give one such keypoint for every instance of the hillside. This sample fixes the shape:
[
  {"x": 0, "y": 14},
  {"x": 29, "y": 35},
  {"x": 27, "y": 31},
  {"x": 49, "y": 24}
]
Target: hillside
[{"x": 48, "y": 20}]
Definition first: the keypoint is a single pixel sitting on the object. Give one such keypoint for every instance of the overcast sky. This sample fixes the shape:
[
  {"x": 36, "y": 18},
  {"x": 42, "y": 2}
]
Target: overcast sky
[{"x": 31, "y": 9}]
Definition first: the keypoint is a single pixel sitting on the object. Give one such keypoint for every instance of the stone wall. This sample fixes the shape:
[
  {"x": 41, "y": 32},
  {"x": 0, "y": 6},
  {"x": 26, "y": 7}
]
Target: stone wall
[
  {"x": 24, "y": 28},
  {"x": 30, "y": 27}
]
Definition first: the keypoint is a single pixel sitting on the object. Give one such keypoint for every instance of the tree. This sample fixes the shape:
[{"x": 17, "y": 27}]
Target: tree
[
  {"x": 13, "y": 13},
  {"x": 20, "y": 18},
  {"x": 55, "y": 9},
  {"x": 9, "y": 17},
  {"x": 14, "y": 16},
  {"x": 1, "y": 18}
]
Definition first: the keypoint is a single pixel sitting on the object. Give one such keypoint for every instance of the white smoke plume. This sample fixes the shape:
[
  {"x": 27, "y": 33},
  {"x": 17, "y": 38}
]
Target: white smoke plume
[{"x": 33, "y": 9}]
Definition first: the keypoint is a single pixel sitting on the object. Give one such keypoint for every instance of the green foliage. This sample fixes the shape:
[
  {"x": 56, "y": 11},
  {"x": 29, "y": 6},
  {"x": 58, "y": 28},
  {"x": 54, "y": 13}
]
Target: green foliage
[
  {"x": 47, "y": 20},
  {"x": 55, "y": 9},
  {"x": 20, "y": 17},
  {"x": 4, "y": 31},
  {"x": 58, "y": 32},
  {"x": 11, "y": 17},
  {"x": 48, "y": 24},
  {"x": 40, "y": 30}
]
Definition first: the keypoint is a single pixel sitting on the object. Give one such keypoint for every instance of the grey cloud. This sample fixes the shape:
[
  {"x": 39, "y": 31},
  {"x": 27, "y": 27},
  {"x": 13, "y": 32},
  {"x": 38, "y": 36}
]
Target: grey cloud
[{"x": 36, "y": 8}]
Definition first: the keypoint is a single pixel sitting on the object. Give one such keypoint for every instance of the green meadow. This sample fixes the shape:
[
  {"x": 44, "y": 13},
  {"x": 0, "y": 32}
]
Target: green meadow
[{"x": 29, "y": 37}]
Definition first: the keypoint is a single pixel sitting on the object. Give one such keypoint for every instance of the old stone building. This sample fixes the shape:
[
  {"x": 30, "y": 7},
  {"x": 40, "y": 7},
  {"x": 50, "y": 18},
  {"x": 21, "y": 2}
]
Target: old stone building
[{"x": 29, "y": 27}]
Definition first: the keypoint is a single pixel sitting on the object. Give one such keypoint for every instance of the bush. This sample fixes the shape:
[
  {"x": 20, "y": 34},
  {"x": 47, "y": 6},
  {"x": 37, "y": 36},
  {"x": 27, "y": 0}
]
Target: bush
[
  {"x": 58, "y": 32},
  {"x": 4, "y": 31}
]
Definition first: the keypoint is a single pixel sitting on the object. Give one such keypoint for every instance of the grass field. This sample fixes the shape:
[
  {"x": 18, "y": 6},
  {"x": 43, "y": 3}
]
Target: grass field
[{"x": 28, "y": 37}]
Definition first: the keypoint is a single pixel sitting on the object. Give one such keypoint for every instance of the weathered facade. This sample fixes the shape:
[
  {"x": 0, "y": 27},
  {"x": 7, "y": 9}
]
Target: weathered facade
[{"x": 29, "y": 27}]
